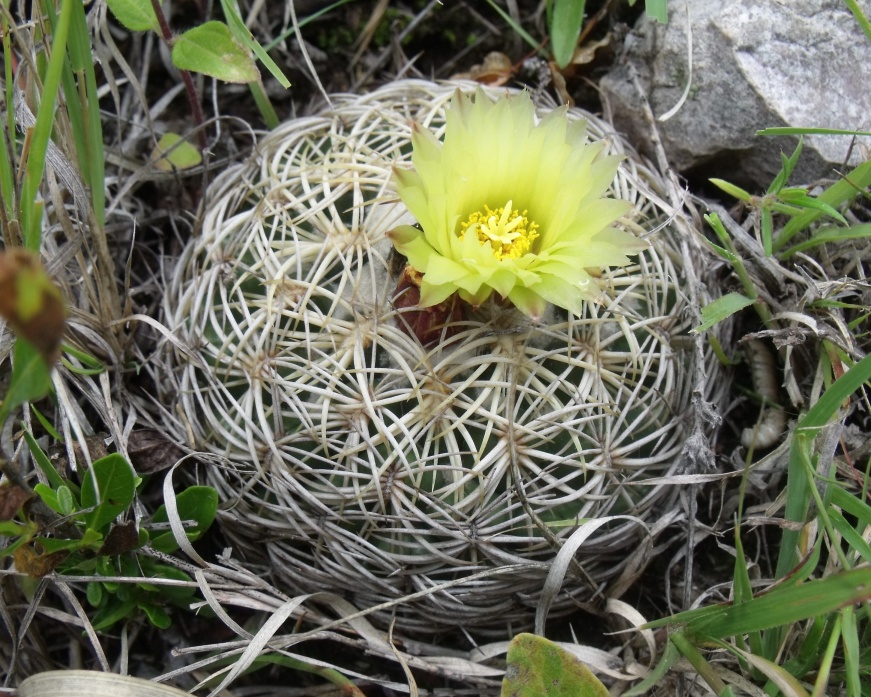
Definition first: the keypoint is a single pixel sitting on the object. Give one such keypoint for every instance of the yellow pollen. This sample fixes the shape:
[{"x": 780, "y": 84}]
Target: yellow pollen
[{"x": 509, "y": 232}]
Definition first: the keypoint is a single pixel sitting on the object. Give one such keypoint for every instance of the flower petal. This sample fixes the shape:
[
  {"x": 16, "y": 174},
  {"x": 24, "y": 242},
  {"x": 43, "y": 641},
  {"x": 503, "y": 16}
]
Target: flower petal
[
  {"x": 410, "y": 242},
  {"x": 495, "y": 157}
]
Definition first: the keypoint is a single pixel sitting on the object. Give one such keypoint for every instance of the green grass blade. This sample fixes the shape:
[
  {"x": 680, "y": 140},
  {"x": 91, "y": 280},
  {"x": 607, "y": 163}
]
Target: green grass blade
[
  {"x": 670, "y": 656},
  {"x": 842, "y": 191},
  {"x": 243, "y": 35},
  {"x": 827, "y": 407},
  {"x": 860, "y": 17},
  {"x": 786, "y": 683},
  {"x": 694, "y": 656},
  {"x": 785, "y": 605},
  {"x": 852, "y": 505},
  {"x": 796, "y": 131},
  {"x": 525, "y": 35},
  {"x": 829, "y": 234},
  {"x": 854, "y": 539},
  {"x": 850, "y": 643},
  {"x": 92, "y": 151},
  {"x": 7, "y": 143},
  {"x": 31, "y": 215},
  {"x": 767, "y": 230},
  {"x": 742, "y": 589},
  {"x": 264, "y": 105}
]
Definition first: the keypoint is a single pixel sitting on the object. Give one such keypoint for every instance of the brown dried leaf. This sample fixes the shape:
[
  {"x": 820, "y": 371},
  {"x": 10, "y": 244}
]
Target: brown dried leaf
[
  {"x": 35, "y": 564},
  {"x": 11, "y": 499},
  {"x": 496, "y": 70},
  {"x": 586, "y": 52},
  {"x": 122, "y": 538},
  {"x": 151, "y": 451},
  {"x": 31, "y": 303}
]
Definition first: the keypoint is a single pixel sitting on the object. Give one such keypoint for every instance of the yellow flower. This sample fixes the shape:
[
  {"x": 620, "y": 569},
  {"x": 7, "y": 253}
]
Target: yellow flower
[{"x": 511, "y": 206}]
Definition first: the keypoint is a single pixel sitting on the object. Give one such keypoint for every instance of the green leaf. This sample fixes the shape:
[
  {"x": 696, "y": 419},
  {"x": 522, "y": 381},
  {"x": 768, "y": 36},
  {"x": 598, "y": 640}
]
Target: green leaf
[
  {"x": 46, "y": 424},
  {"x": 92, "y": 365},
  {"x": 173, "y": 152},
  {"x": 178, "y": 595},
  {"x": 135, "y": 15},
  {"x": 565, "y": 28},
  {"x": 657, "y": 9},
  {"x": 240, "y": 31},
  {"x": 198, "y": 503},
  {"x": 50, "y": 545},
  {"x": 66, "y": 501},
  {"x": 108, "y": 487},
  {"x": 42, "y": 460},
  {"x": 670, "y": 656},
  {"x": 9, "y": 528},
  {"x": 720, "y": 309},
  {"x": 210, "y": 49},
  {"x": 113, "y": 611},
  {"x": 767, "y": 230},
  {"x": 31, "y": 378},
  {"x": 538, "y": 667},
  {"x": 732, "y": 190},
  {"x": 61, "y": 501},
  {"x": 94, "y": 593},
  {"x": 156, "y": 615},
  {"x": 805, "y": 201},
  {"x": 48, "y": 496},
  {"x": 787, "y": 166}
]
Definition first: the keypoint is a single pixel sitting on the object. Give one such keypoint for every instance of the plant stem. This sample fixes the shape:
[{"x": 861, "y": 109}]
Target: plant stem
[{"x": 190, "y": 88}]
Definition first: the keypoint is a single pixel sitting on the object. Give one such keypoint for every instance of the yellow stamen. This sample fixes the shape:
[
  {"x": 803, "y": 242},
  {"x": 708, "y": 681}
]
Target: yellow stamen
[{"x": 508, "y": 230}]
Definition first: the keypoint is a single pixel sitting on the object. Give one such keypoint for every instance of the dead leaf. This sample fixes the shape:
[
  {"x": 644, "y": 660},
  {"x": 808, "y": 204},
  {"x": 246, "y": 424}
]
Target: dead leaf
[
  {"x": 151, "y": 451},
  {"x": 586, "y": 52},
  {"x": 31, "y": 303},
  {"x": 35, "y": 564},
  {"x": 496, "y": 70},
  {"x": 11, "y": 499},
  {"x": 122, "y": 538}
]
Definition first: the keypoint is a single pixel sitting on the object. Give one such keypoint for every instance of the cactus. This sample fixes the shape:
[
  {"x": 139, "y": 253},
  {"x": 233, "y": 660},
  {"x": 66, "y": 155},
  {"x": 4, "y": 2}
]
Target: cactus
[{"x": 361, "y": 459}]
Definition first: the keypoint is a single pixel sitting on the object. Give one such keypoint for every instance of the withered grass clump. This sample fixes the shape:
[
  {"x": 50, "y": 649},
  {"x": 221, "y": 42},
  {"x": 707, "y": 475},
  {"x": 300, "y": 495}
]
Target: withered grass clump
[{"x": 361, "y": 461}]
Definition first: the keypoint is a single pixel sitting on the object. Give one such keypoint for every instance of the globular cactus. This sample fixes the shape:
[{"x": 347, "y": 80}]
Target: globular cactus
[{"x": 378, "y": 449}]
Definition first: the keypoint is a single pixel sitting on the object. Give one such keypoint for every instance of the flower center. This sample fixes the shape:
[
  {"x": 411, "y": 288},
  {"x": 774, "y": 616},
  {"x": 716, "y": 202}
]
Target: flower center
[{"x": 508, "y": 230}]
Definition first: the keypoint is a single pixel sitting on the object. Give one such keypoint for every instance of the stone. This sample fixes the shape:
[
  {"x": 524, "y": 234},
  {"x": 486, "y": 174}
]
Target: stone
[{"x": 755, "y": 65}]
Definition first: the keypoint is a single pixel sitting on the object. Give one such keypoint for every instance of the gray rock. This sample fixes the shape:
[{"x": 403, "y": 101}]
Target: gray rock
[{"x": 755, "y": 65}]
